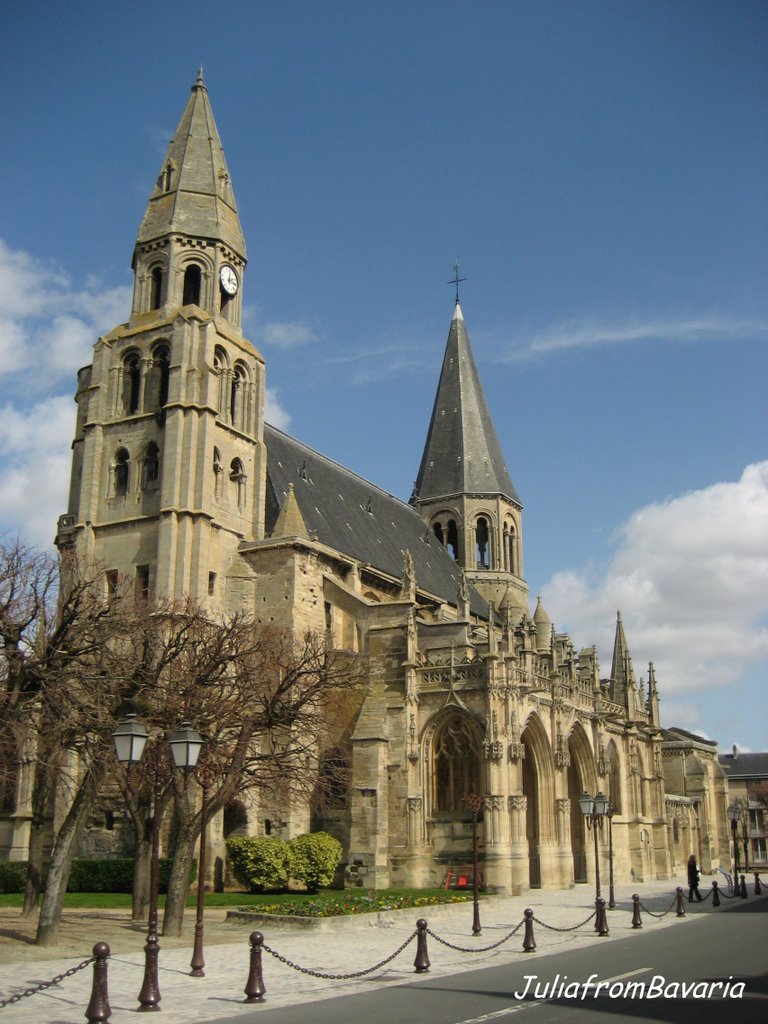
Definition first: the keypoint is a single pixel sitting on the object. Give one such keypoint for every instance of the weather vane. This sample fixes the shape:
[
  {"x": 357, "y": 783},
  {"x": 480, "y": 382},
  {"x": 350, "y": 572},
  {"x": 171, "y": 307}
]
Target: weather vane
[{"x": 456, "y": 280}]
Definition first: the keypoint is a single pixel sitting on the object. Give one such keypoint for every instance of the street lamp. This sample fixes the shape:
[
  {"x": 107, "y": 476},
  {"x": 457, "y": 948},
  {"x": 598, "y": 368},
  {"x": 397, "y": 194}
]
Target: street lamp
[
  {"x": 609, "y": 812},
  {"x": 475, "y": 804},
  {"x": 733, "y": 817},
  {"x": 130, "y": 738},
  {"x": 594, "y": 810}
]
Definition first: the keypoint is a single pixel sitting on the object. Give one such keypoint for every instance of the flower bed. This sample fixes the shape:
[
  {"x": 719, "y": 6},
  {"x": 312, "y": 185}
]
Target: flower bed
[{"x": 346, "y": 904}]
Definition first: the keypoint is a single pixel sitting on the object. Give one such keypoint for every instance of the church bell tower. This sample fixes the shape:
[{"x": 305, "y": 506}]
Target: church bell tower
[
  {"x": 463, "y": 489},
  {"x": 168, "y": 467}
]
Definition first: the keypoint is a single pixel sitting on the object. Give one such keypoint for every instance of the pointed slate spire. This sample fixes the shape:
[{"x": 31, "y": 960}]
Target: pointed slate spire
[
  {"x": 622, "y": 671},
  {"x": 193, "y": 195},
  {"x": 290, "y": 521},
  {"x": 462, "y": 453}
]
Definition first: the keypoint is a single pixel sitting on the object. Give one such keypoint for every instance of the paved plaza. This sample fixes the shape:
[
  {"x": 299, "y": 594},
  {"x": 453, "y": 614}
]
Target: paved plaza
[{"x": 334, "y": 946}]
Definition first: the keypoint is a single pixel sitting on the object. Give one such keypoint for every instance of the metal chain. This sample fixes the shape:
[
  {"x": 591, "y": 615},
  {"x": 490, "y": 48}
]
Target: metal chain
[
  {"x": 475, "y": 949},
  {"x": 46, "y": 984},
  {"x": 647, "y": 911},
  {"x": 338, "y": 977},
  {"x": 552, "y": 928}
]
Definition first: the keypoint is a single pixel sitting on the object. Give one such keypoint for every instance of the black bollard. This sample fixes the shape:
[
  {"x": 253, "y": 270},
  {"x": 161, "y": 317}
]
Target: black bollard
[
  {"x": 715, "y": 895},
  {"x": 680, "y": 907},
  {"x": 255, "y": 987},
  {"x": 529, "y": 943},
  {"x": 637, "y": 921},
  {"x": 743, "y": 888},
  {"x": 601, "y": 919},
  {"x": 758, "y": 887},
  {"x": 421, "y": 963},
  {"x": 98, "y": 1008}
]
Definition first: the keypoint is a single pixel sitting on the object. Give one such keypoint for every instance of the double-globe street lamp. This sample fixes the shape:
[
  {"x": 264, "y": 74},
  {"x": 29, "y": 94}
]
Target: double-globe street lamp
[
  {"x": 594, "y": 809},
  {"x": 130, "y": 738},
  {"x": 734, "y": 812}
]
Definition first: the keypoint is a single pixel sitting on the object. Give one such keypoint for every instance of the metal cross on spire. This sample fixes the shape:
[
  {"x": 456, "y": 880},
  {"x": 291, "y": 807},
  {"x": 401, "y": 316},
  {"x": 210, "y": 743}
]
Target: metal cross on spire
[{"x": 456, "y": 280}]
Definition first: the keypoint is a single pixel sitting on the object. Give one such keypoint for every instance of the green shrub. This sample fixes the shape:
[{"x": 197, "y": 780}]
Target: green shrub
[
  {"x": 12, "y": 875},
  {"x": 115, "y": 875},
  {"x": 314, "y": 859},
  {"x": 259, "y": 862}
]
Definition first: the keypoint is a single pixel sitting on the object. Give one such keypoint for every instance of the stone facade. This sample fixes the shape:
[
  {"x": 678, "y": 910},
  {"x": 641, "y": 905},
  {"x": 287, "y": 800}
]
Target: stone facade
[{"x": 178, "y": 484}]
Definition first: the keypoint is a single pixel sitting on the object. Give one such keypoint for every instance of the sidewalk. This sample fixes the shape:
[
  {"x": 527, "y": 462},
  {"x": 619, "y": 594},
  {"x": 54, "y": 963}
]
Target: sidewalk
[{"x": 333, "y": 945}]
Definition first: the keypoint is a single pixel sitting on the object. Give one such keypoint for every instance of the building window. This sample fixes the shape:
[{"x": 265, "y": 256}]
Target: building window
[
  {"x": 218, "y": 471},
  {"x": 211, "y": 584},
  {"x": 142, "y": 582},
  {"x": 455, "y": 763},
  {"x": 131, "y": 383},
  {"x": 161, "y": 373},
  {"x": 193, "y": 279},
  {"x": 237, "y": 397},
  {"x": 156, "y": 289},
  {"x": 122, "y": 470},
  {"x": 482, "y": 544},
  {"x": 758, "y": 851},
  {"x": 237, "y": 478},
  {"x": 112, "y": 579},
  {"x": 151, "y": 467}
]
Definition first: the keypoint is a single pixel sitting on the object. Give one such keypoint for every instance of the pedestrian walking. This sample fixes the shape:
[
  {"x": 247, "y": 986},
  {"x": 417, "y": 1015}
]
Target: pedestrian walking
[{"x": 693, "y": 879}]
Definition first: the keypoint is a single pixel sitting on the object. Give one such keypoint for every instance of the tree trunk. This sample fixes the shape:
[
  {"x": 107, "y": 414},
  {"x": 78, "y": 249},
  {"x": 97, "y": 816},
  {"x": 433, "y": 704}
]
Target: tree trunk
[
  {"x": 34, "y": 879},
  {"x": 62, "y": 856},
  {"x": 141, "y": 876},
  {"x": 178, "y": 884}
]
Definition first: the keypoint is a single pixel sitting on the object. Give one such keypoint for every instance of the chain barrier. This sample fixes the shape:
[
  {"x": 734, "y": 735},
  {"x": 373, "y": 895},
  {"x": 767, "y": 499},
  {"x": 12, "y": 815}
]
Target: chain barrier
[
  {"x": 664, "y": 914},
  {"x": 46, "y": 984},
  {"x": 475, "y": 949},
  {"x": 552, "y": 928},
  {"x": 339, "y": 977}
]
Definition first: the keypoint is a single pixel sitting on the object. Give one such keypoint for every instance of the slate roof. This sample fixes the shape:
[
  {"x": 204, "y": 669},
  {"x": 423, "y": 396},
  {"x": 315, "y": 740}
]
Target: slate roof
[
  {"x": 355, "y": 517},
  {"x": 198, "y": 200},
  {"x": 745, "y": 765},
  {"x": 675, "y": 735},
  {"x": 462, "y": 454}
]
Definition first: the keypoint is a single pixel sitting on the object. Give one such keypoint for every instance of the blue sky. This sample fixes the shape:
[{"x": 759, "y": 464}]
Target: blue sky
[{"x": 598, "y": 170}]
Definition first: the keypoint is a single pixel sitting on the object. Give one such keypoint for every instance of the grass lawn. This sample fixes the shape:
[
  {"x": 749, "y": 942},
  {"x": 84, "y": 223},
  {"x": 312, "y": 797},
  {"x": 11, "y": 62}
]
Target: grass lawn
[{"x": 312, "y": 905}]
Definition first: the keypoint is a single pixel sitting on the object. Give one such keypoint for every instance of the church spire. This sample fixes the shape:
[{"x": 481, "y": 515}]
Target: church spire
[
  {"x": 622, "y": 671},
  {"x": 462, "y": 453},
  {"x": 193, "y": 195}
]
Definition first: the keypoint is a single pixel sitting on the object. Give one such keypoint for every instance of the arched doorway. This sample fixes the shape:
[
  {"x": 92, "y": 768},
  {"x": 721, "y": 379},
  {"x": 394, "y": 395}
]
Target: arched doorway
[{"x": 538, "y": 789}]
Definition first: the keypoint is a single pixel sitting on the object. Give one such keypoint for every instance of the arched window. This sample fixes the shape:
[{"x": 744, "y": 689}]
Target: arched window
[
  {"x": 122, "y": 470},
  {"x": 438, "y": 531},
  {"x": 156, "y": 289},
  {"x": 193, "y": 279},
  {"x": 614, "y": 777},
  {"x": 455, "y": 763},
  {"x": 131, "y": 383},
  {"x": 161, "y": 367},
  {"x": 482, "y": 544},
  {"x": 452, "y": 540},
  {"x": 220, "y": 367},
  {"x": 237, "y": 397},
  {"x": 151, "y": 469},
  {"x": 237, "y": 478}
]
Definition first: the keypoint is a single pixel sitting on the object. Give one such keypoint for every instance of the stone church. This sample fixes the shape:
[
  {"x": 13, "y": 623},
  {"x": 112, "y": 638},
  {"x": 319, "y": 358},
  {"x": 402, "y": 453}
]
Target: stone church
[{"x": 180, "y": 485}]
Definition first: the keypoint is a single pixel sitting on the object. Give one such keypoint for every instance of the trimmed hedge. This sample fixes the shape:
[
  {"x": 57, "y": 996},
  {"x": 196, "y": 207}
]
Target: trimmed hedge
[
  {"x": 115, "y": 875},
  {"x": 268, "y": 862},
  {"x": 259, "y": 862},
  {"x": 314, "y": 859}
]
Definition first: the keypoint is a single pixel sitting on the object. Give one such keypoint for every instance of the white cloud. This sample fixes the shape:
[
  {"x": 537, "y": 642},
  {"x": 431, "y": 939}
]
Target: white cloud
[
  {"x": 592, "y": 333},
  {"x": 287, "y": 335},
  {"x": 44, "y": 320},
  {"x": 35, "y": 443},
  {"x": 274, "y": 413},
  {"x": 690, "y": 576}
]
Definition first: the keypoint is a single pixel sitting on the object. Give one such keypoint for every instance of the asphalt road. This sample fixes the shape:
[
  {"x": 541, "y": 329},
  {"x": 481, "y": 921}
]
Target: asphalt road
[{"x": 692, "y": 972}]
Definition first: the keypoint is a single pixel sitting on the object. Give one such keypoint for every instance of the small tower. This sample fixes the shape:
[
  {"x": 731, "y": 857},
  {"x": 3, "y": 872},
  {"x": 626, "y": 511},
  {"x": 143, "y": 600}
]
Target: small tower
[
  {"x": 463, "y": 489},
  {"x": 623, "y": 683},
  {"x": 168, "y": 467}
]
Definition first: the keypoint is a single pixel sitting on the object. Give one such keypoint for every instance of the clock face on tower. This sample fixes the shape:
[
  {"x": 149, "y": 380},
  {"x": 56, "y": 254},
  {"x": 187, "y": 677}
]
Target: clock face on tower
[{"x": 228, "y": 279}]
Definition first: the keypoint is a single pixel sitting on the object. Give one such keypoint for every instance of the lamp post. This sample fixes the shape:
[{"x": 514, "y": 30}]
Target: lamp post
[
  {"x": 130, "y": 738},
  {"x": 609, "y": 812},
  {"x": 733, "y": 817},
  {"x": 594, "y": 809},
  {"x": 745, "y": 836},
  {"x": 475, "y": 804}
]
